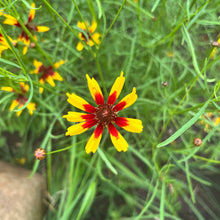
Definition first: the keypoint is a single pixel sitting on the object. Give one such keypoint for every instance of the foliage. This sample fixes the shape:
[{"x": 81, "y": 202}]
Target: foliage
[{"x": 164, "y": 49}]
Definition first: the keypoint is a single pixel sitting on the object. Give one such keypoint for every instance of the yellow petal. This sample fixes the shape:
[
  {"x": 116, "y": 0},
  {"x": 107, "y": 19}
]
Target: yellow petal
[
  {"x": 24, "y": 86},
  {"x": 126, "y": 101},
  {"x": 13, "y": 104},
  {"x": 26, "y": 41},
  {"x": 37, "y": 64},
  {"x": 130, "y": 124},
  {"x": 19, "y": 113},
  {"x": 90, "y": 43},
  {"x": 25, "y": 50},
  {"x": 217, "y": 121},
  {"x": 57, "y": 76},
  {"x": 21, "y": 37},
  {"x": 116, "y": 89},
  {"x": 76, "y": 129},
  {"x": 79, "y": 46},
  {"x": 95, "y": 90},
  {"x": 58, "y": 64},
  {"x": 118, "y": 141},
  {"x": 50, "y": 80},
  {"x": 93, "y": 27},
  {"x": 96, "y": 37},
  {"x": 212, "y": 55},
  {"x": 80, "y": 103},
  {"x": 94, "y": 140},
  {"x": 7, "y": 89},
  {"x": 42, "y": 28},
  {"x": 76, "y": 116},
  {"x": 41, "y": 81},
  {"x": 41, "y": 89},
  {"x": 31, "y": 107},
  {"x": 31, "y": 13},
  {"x": 10, "y": 20},
  {"x": 81, "y": 25}
]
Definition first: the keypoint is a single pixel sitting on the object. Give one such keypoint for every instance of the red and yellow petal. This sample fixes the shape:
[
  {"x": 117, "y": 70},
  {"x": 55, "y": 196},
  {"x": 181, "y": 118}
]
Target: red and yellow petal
[
  {"x": 95, "y": 90},
  {"x": 130, "y": 124},
  {"x": 78, "y": 117},
  {"x": 10, "y": 20},
  {"x": 116, "y": 89},
  {"x": 94, "y": 140},
  {"x": 42, "y": 28},
  {"x": 21, "y": 37},
  {"x": 80, "y": 103},
  {"x": 31, "y": 13},
  {"x": 50, "y": 81},
  {"x": 126, "y": 101},
  {"x": 80, "y": 127},
  {"x": 117, "y": 139}
]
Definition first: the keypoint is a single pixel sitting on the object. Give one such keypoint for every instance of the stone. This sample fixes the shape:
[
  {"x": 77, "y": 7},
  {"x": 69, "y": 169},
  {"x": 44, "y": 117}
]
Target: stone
[{"x": 21, "y": 197}]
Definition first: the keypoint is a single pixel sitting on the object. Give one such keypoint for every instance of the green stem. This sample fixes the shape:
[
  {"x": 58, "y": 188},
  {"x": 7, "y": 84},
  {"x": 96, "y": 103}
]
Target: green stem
[
  {"x": 100, "y": 74},
  {"x": 57, "y": 14},
  {"x": 113, "y": 22}
]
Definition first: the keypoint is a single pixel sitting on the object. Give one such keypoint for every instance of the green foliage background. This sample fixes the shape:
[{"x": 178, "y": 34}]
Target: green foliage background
[{"x": 152, "y": 42}]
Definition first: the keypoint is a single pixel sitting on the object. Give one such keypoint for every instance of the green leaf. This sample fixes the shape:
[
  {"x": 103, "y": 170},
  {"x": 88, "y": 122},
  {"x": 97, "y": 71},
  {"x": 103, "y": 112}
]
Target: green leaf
[{"x": 185, "y": 126}]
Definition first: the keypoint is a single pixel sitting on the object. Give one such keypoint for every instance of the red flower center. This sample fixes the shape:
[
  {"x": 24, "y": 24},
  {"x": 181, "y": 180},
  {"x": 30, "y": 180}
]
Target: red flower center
[
  {"x": 31, "y": 27},
  {"x": 21, "y": 99},
  {"x": 46, "y": 71},
  {"x": 85, "y": 36},
  {"x": 105, "y": 114}
]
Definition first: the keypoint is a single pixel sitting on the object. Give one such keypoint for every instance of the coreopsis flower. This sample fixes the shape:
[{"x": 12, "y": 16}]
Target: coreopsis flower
[
  {"x": 87, "y": 37},
  {"x": 103, "y": 115},
  {"x": 4, "y": 44},
  {"x": 21, "y": 99},
  {"x": 213, "y": 118},
  {"x": 10, "y": 20},
  {"x": 48, "y": 74}
]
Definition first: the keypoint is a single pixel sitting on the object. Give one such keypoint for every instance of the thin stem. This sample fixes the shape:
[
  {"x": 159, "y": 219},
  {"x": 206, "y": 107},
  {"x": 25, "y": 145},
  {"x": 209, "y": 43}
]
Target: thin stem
[
  {"x": 100, "y": 74},
  {"x": 113, "y": 22}
]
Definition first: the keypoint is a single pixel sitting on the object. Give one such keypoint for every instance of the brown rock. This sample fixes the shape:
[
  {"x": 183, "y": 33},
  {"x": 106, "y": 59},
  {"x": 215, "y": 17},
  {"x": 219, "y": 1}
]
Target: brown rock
[{"x": 21, "y": 198}]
